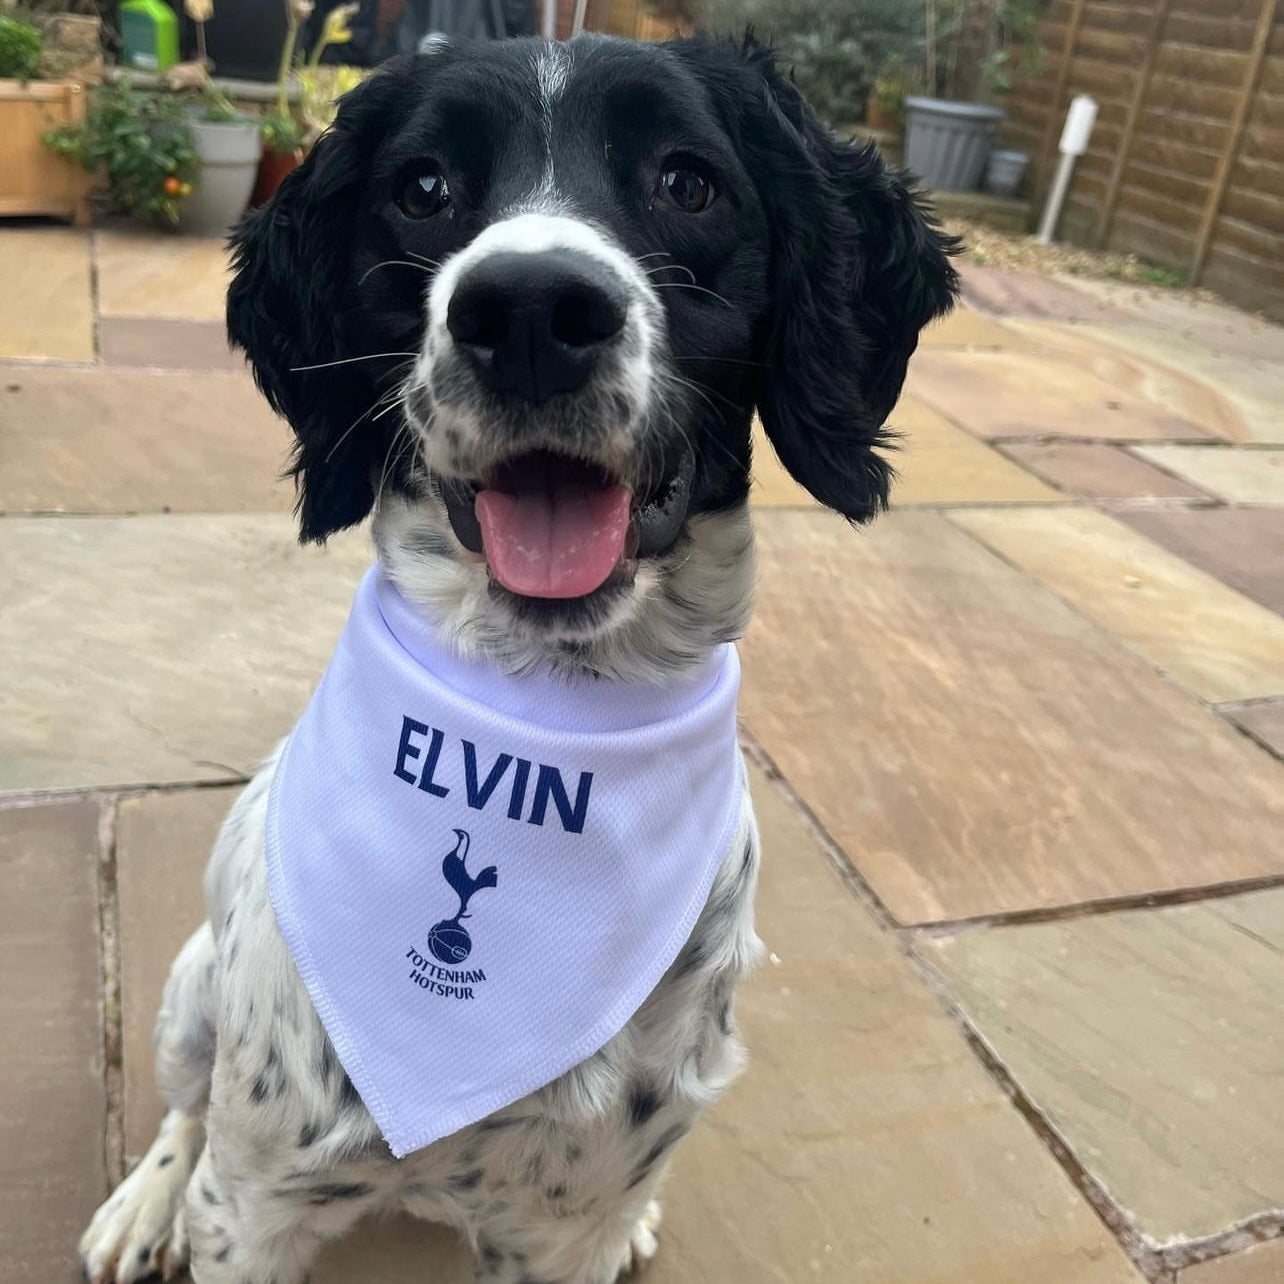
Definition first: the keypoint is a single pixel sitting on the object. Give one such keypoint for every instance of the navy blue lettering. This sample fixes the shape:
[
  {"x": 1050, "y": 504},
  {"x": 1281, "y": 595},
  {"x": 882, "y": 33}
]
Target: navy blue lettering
[
  {"x": 409, "y": 727},
  {"x": 426, "y": 782},
  {"x": 479, "y": 797},
  {"x": 548, "y": 785},
  {"x": 518, "y": 797}
]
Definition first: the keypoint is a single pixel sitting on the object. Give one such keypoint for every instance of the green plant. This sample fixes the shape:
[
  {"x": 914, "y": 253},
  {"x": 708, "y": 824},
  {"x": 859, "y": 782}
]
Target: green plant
[
  {"x": 141, "y": 146},
  {"x": 834, "y": 47},
  {"x": 981, "y": 48},
  {"x": 218, "y": 108},
  {"x": 281, "y": 133},
  {"x": 20, "y": 46},
  {"x": 891, "y": 86}
]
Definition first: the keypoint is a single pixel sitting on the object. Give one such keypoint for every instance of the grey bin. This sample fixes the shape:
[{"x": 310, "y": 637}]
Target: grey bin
[
  {"x": 228, "y": 156},
  {"x": 948, "y": 143}
]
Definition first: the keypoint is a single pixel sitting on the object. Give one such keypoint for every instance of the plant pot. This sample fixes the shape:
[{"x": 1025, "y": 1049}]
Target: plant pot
[
  {"x": 33, "y": 180},
  {"x": 947, "y": 143},
  {"x": 877, "y": 117},
  {"x": 228, "y": 154},
  {"x": 1004, "y": 172},
  {"x": 273, "y": 168}
]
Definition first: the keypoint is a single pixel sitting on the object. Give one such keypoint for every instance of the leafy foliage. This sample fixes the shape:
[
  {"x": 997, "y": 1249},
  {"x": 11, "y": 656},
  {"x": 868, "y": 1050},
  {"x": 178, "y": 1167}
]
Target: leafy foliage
[
  {"x": 836, "y": 48},
  {"x": 139, "y": 143},
  {"x": 20, "y": 47}
]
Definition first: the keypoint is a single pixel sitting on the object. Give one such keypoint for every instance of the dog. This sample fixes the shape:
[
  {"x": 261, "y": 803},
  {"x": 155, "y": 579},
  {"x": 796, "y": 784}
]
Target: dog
[{"x": 524, "y": 278}]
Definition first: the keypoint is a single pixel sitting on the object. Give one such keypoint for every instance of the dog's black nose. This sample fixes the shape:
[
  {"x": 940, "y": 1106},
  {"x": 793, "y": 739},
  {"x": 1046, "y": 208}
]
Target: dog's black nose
[{"x": 534, "y": 325}]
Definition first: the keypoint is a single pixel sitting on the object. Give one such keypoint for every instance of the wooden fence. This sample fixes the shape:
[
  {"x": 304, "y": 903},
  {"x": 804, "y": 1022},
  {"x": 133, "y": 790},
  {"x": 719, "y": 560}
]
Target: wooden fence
[{"x": 1186, "y": 164}]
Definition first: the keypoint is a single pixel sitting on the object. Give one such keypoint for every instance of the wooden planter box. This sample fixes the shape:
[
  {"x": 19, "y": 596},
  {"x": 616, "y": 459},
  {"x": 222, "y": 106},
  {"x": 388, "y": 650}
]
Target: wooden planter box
[{"x": 32, "y": 179}]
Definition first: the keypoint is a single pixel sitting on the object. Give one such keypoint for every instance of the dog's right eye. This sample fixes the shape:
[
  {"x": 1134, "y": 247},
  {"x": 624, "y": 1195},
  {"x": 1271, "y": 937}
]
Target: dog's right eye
[{"x": 424, "y": 192}]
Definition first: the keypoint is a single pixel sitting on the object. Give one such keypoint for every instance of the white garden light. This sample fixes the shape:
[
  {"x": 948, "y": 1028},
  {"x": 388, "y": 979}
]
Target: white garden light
[{"x": 1074, "y": 142}]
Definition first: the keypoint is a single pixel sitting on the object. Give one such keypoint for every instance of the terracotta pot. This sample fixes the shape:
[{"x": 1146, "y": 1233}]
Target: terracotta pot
[
  {"x": 273, "y": 168},
  {"x": 877, "y": 118}
]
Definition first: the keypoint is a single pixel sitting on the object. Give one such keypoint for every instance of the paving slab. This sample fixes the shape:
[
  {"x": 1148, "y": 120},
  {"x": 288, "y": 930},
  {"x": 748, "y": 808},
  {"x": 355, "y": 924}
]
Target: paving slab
[
  {"x": 148, "y": 650},
  {"x": 974, "y": 744},
  {"x": 1095, "y": 470},
  {"x": 169, "y": 345},
  {"x": 1216, "y": 326},
  {"x": 1004, "y": 292},
  {"x": 127, "y": 441},
  {"x": 53, "y": 1108},
  {"x": 1163, "y": 385},
  {"x": 1263, "y": 1264},
  {"x": 147, "y": 274},
  {"x": 1039, "y": 394},
  {"x": 1150, "y": 1039},
  {"x": 1242, "y": 547},
  {"x": 1209, "y": 638},
  {"x": 1252, "y": 387},
  {"x": 879, "y": 1152},
  {"x": 935, "y": 462},
  {"x": 46, "y": 306},
  {"x": 1264, "y": 722},
  {"x": 163, "y": 841},
  {"x": 1237, "y": 476},
  {"x": 965, "y": 327}
]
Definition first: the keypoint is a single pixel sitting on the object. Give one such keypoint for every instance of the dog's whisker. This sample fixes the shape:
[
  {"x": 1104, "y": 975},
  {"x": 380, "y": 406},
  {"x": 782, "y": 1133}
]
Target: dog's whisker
[
  {"x": 420, "y": 267},
  {"x": 347, "y": 361},
  {"x": 699, "y": 289},
  {"x": 671, "y": 267}
]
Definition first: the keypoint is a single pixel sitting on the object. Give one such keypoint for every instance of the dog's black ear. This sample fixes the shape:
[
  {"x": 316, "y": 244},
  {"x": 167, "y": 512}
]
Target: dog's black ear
[
  {"x": 858, "y": 268},
  {"x": 290, "y": 307}
]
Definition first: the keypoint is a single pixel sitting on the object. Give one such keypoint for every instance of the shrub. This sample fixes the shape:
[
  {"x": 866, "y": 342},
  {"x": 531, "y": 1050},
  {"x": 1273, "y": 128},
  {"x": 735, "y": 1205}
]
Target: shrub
[
  {"x": 20, "y": 46},
  {"x": 836, "y": 48},
  {"x": 140, "y": 144}
]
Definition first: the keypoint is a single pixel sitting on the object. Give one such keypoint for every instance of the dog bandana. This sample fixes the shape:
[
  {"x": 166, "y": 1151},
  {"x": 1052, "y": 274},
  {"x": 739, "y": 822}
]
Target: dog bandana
[{"x": 481, "y": 877}]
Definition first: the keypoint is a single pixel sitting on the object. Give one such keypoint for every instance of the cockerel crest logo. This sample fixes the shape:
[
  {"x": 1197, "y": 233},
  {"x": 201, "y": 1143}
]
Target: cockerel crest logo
[{"x": 449, "y": 940}]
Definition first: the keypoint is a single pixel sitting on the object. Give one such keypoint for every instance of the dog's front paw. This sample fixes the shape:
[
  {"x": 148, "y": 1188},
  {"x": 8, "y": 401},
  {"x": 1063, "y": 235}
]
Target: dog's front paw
[
  {"x": 645, "y": 1242},
  {"x": 141, "y": 1230}
]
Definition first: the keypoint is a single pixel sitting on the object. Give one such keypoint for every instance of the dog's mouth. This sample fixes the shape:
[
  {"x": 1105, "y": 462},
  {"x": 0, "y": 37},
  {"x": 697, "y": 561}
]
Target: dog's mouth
[{"x": 551, "y": 526}]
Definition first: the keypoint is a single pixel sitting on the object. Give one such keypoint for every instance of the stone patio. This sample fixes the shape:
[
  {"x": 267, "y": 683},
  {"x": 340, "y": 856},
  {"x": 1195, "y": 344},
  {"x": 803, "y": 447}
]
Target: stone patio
[{"x": 1016, "y": 753}]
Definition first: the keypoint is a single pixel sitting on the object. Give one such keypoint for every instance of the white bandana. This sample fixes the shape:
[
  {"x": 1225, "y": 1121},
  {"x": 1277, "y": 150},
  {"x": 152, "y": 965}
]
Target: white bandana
[{"x": 481, "y": 877}]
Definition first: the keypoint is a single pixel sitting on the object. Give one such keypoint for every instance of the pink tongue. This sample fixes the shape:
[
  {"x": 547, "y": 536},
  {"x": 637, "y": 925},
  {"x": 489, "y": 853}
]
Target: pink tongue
[{"x": 562, "y": 542}]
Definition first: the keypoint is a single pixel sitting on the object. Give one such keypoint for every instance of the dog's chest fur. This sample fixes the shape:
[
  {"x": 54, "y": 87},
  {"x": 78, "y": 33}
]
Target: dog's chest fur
[{"x": 576, "y": 1144}]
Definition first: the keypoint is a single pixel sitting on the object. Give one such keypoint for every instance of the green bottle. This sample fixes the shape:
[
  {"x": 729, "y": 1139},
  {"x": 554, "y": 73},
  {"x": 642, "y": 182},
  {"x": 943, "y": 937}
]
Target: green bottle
[{"x": 149, "y": 32}]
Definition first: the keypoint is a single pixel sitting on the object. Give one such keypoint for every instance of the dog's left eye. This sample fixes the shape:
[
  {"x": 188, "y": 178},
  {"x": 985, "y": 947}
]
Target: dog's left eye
[
  {"x": 687, "y": 188},
  {"x": 424, "y": 193}
]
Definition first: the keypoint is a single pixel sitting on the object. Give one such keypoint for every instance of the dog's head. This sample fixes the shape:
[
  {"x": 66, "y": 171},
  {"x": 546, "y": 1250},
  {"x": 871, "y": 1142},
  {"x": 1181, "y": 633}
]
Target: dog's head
[{"x": 526, "y": 298}]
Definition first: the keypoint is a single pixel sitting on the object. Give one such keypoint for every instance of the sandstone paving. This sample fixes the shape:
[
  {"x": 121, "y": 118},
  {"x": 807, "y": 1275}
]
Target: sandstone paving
[
  {"x": 997, "y": 394},
  {"x": 129, "y": 441},
  {"x": 1251, "y": 387},
  {"x": 865, "y": 1142},
  {"x": 146, "y": 650},
  {"x": 1218, "y": 327},
  {"x": 935, "y": 462},
  {"x": 1008, "y": 293},
  {"x": 1242, "y": 547},
  {"x": 46, "y": 304},
  {"x": 1206, "y": 636},
  {"x": 53, "y": 1104},
  {"x": 1238, "y": 476},
  {"x": 974, "y": 744},
  {"x": 965, "y": 327},
  {"x": 141, "y": 274},
  {"x": 1098, "y": 470},
  {"x": 1150, "y": 1040},
  {"x": 163, "y": 841},
  {"x": 1264, "y": 721},
  {"x": 1261, "y": 1264},
  {"x": 1166, "y": 386},
  {"x": 166, "y": 344}
]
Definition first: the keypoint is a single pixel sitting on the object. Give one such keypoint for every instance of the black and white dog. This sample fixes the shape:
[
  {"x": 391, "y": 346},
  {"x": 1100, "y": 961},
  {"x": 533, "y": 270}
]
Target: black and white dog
[{"x": 544, "y": 271}]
